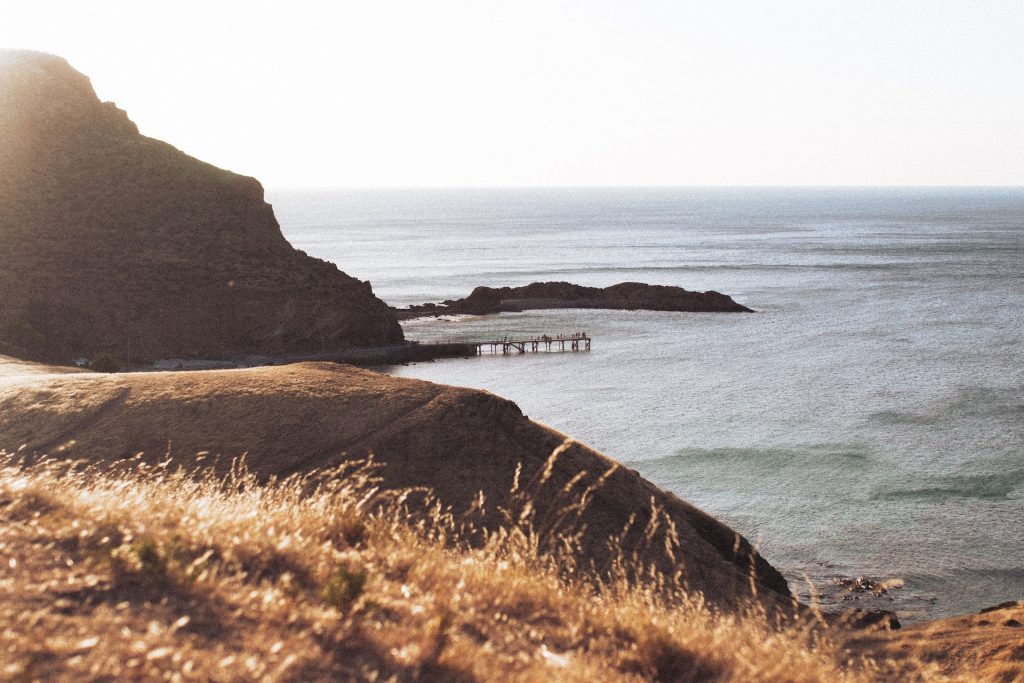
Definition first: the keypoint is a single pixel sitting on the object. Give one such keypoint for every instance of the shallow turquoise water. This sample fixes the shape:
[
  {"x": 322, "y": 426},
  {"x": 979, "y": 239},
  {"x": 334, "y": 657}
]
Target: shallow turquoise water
[{"x": 867, "y": 420}]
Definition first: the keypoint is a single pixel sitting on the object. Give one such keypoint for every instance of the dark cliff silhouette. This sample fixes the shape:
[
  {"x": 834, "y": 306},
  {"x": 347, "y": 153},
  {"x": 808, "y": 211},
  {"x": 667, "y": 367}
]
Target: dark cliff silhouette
[{"x": 117, "y": 243}]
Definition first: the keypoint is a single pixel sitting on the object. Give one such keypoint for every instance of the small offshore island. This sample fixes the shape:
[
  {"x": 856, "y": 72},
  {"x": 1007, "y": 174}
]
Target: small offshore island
[
  {"x": 476, "y": 544},
  {"x": 628, "y": 296}
]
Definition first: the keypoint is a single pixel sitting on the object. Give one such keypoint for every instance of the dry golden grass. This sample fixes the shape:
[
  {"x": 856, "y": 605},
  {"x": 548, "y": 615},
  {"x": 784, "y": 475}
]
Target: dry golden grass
[{"x": 151, "y": 573}]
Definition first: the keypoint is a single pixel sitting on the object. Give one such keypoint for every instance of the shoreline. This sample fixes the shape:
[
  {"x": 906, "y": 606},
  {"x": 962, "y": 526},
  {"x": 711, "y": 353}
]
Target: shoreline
[{"x": 366, "y": 357}]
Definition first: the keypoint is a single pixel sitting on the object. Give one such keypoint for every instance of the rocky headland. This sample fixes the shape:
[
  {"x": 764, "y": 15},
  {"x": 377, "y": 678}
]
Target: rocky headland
[
  {"x": 118, "y": 243},
  {"x": 623, "y": 296}
]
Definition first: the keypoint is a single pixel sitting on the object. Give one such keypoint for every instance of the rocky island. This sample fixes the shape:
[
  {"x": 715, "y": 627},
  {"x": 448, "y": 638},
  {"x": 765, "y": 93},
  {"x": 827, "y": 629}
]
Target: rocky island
[{"x": 537, "y": 295}]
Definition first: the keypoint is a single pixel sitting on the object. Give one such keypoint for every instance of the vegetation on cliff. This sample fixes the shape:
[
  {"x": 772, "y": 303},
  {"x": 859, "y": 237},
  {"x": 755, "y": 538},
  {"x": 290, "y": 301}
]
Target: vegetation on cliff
[
  {"x": 467, "y": 447},
  {"x": 151, "y": 573}
]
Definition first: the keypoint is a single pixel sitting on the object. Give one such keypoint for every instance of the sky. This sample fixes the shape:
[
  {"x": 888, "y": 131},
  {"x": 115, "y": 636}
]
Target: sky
[{"x": 557, "y": 93}]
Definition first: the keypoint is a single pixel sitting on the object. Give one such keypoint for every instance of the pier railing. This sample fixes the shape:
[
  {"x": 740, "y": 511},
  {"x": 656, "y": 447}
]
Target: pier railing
[{"x": 544, "y": 343}]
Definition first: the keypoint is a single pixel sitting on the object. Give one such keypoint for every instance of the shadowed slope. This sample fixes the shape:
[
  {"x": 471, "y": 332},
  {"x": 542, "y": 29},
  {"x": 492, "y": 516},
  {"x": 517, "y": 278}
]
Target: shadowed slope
[{"x": 456, "y": 442}]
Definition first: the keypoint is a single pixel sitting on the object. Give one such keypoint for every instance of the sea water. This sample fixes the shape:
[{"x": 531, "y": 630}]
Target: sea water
[{"x": 868, "y": 419}]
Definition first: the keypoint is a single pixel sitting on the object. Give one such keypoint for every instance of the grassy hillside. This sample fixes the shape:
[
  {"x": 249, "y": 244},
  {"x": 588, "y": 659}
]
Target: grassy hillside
[
  {"x": 460, "y": 443},
  {"x": 152, "y": 573}
]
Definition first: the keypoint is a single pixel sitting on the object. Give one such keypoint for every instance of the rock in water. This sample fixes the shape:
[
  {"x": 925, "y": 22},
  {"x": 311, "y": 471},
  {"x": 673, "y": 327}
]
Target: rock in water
[
  {"x": 623, "y": 296},
  {"x": 115, "y": 242}
]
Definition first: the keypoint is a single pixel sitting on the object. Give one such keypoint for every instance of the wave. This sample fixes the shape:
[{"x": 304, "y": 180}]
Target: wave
[
  {"x": 800, "y": 457},
  {"x": 967, "y": 402},
  {"x": 999, "y": 486}
]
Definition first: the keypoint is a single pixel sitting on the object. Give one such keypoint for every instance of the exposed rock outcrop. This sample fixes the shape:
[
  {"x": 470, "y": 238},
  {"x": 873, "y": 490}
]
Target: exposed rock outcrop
[
  {"x": 457, "y": 442},
  {"x": 116, "y": 242},
  {"x": 623, "y": 296}
]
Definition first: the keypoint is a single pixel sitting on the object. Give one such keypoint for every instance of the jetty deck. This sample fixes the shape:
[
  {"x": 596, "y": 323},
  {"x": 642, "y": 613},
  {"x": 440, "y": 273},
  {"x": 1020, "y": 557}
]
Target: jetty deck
[{"x": 542, "y": 344}]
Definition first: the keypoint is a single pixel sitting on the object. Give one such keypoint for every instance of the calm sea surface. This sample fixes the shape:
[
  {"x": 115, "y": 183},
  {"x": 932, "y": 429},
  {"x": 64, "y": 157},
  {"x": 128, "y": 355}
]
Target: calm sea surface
[{"x": 868, "y": 420}]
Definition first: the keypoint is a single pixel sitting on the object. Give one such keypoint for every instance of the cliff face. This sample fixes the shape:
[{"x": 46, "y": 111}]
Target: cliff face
[{"x": 115, "y": 242}]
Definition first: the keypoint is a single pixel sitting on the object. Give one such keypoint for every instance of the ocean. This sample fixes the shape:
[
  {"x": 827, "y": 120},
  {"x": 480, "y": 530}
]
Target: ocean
[{"x": 867, "y": 420}]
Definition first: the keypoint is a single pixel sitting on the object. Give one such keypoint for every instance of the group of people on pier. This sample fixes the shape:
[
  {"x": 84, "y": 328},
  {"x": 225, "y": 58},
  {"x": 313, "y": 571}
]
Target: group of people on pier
[{"x": 561, "y": 337}]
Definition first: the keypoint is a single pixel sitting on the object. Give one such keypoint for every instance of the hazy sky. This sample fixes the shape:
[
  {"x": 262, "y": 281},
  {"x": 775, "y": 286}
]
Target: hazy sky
[{"x": 421, "y": 93}]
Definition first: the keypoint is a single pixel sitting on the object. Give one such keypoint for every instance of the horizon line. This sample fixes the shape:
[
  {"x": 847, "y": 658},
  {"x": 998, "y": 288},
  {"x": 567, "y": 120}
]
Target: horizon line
[{"x": 322, "y": 188}]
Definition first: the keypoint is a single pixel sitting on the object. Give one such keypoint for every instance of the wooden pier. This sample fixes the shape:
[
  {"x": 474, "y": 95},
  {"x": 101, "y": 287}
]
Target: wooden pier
[{"x": 544, "y": 343}]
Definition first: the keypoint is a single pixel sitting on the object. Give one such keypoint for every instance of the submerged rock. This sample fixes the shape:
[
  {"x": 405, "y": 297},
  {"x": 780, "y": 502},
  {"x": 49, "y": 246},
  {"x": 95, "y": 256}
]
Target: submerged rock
[
  {"x": 862, "y": 584},
  {"x": 117, "y": 243}
]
